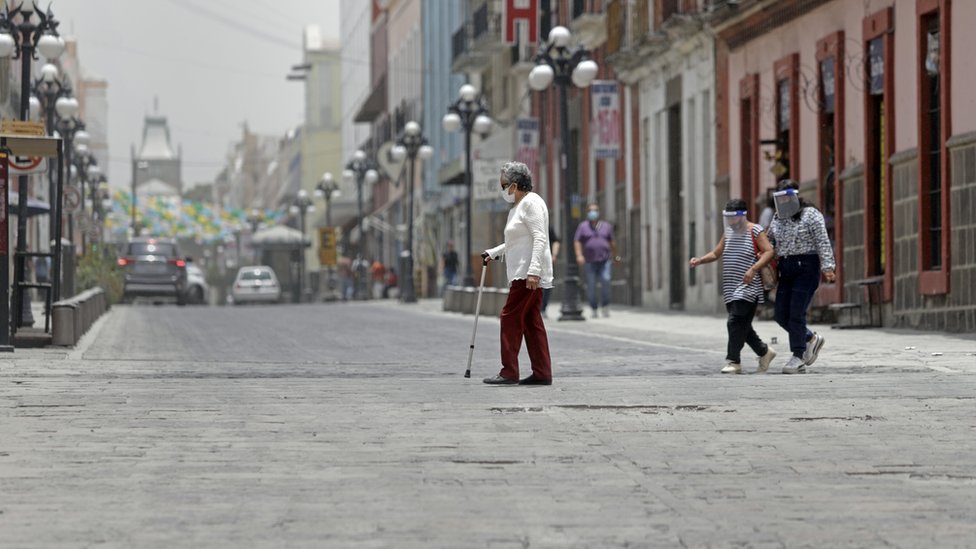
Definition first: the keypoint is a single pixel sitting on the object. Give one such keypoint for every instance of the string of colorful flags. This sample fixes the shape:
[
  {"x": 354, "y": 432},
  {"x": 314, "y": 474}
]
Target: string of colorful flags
[{"x": 175, "y": 218}]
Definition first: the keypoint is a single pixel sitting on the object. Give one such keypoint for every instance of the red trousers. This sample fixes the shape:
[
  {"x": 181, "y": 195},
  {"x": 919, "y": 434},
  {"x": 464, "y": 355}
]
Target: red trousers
[{"x": 520, "y": 318}]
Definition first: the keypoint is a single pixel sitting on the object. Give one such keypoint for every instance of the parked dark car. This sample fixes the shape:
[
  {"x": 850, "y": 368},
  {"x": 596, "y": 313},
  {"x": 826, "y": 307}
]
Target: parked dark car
[{"x": 153, "y": 269}]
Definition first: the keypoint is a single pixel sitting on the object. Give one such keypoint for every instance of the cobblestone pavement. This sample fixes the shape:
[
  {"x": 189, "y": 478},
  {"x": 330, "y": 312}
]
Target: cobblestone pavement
[{"x": 350, "y": 425}]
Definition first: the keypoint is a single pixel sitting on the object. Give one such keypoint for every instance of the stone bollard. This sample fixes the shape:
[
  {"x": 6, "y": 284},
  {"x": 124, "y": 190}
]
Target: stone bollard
[
  {"x": 63, "y": 324},
  {"x": 468, "y": 295}
]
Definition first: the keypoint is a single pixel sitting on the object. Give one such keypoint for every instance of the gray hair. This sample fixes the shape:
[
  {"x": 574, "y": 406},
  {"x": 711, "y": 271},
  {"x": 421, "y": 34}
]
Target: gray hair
[{"x": 518, "y": 174}]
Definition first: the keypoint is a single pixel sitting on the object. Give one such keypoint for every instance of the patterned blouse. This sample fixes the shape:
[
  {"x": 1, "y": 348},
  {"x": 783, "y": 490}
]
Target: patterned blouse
[{"x": 806, "y": 236}]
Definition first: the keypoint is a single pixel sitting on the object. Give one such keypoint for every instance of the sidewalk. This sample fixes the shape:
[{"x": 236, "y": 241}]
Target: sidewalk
[{"x": 845, "y": 350}]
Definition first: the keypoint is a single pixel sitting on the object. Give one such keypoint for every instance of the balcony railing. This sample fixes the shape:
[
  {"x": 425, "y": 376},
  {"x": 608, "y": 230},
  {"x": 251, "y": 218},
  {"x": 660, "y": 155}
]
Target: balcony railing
[
  {"x": 459, "y": 42},
  {"x": 583, "y": 7},
  {"x": 480, "y": 21}
]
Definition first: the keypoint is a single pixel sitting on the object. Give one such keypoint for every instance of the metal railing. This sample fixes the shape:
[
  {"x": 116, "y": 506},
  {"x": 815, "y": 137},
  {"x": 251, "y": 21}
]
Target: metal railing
[
  {"x": 480, "y": 21},
  {"x": 459, "y": 42}
]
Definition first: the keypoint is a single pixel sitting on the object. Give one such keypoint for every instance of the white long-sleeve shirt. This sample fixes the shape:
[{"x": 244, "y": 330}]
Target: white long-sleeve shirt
[{"x": 526, "y": 247}]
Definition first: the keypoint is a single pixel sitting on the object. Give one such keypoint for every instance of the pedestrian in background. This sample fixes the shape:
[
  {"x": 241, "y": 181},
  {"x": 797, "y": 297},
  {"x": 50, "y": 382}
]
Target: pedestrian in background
[
  {"x": 554, "y": 248},
  {"x": 742, "y": 285},
  {"x": 799, "y": 236},
  {"x": 378, "y": 273},
  {"x": 528, "y": 264},
  {"x": 596, "y": 251},
  {"x": 449, "y": 260}
]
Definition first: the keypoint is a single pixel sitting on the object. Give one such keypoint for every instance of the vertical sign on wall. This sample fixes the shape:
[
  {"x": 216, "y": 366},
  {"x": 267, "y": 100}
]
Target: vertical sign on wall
[
  {"x": 524, "y": 13},
  {"x": 527, "y": 144},
  {"x": 605, "y": 100}
]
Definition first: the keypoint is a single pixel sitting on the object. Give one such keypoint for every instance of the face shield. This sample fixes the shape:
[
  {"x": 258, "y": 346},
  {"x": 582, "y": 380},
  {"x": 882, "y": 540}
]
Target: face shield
[
  {"x": 787, "y": 203},
  {"x": 736, "y": 220}
]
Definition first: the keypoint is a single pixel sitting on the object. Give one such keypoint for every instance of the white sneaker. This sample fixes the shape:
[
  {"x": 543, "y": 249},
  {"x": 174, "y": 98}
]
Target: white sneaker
[
  {"x": 594, "y": 314},
  {"x": 732, "y": 368},
  {"x": 606, "y": 312},
  {"x": 766, "y": 360},
  {"x": 813, "y": 348},
  {"x": 795, "y": 366}
]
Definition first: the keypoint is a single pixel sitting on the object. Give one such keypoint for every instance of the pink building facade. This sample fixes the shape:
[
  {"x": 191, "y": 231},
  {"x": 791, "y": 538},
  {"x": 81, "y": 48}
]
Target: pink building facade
[{"x": 869, "y": 106}]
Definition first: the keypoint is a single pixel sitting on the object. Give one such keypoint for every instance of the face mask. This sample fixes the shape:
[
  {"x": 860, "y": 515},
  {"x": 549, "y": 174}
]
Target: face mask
[
  {"x": 787, "y": 203},
  {"x": 735, "y": 220},
  {"x": 593, "y": 215},
  {"x": 508, "y": 197}
]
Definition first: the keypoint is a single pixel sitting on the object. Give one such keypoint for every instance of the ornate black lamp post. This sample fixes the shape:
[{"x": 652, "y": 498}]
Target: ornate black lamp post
[
  {"x": 410, "y": 144},
  {"x": 22, "y": 38},
  {"x": 302, "y": 206},
  {"x": 362, "y": 170},
  {"x": 328, "y": 189},
  {"x": 470, "y": 113},
  {"x": 53, "y": 97},
  {"x": 566, "y": 65}
]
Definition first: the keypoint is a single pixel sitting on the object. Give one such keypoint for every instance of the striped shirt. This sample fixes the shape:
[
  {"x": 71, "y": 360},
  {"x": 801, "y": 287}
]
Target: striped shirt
[
  {"x": 806, "y": 236},
  {"x": 739, "y": 256}
]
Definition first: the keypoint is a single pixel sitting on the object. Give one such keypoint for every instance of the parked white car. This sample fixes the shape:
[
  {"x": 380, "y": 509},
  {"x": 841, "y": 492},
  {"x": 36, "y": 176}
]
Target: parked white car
[
  {"x": 197, "y": 290},
  {"x": 256, "y": 284}
]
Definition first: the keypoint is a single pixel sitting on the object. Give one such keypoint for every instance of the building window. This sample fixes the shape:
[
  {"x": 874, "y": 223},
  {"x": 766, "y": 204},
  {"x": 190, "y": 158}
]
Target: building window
[
  {"x": 749, "y": 139},
  {"x": 786, "y": 156},
  {"x": 934, "y": 130},
  {"x": 828, "y": 144},
  {"x": 879, "y": 138},
  {"x": 830, "y": 139}
]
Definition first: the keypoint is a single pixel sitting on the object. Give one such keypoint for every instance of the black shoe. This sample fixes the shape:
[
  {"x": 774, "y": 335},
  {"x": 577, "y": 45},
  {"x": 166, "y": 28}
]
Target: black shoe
[
  {"x": 532, "y": 380},
  {"x": 499, "y": 380}
]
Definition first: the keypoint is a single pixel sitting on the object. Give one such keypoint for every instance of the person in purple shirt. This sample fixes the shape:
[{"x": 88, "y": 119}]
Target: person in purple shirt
[{"x": 596, "y": 251}]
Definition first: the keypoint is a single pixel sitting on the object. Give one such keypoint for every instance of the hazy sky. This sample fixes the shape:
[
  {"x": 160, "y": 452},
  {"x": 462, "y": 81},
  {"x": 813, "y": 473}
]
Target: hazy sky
[{"x": 213, "y": 64}]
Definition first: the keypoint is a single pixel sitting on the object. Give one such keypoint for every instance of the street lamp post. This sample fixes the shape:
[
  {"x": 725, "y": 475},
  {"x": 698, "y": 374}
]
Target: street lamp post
[
  {"x": 72, "y": 130},
  {"x": 254, "y": 218},
  {"x": 302, "y": 206},
  {"x": 328, "y": 189},
  {"x": 410, "y": 144},
  {"x": 559, "y": 62},
  {"x": 88, "y": 172},
  {"x": 53, "y": 96},
  {"x": 470, "y": 113},
  {"x": 22, "y": 38},
  {"x": 362, "y": 170}
]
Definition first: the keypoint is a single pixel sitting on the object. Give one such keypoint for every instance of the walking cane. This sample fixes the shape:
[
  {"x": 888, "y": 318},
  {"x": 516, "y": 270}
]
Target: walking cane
[{"x": 477, "y": 313}]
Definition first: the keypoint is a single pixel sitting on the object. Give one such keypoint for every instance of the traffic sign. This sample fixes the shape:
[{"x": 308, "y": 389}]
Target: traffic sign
[
  {"x": 71, "y": 198},
  {"x": 328, "y": 255}
]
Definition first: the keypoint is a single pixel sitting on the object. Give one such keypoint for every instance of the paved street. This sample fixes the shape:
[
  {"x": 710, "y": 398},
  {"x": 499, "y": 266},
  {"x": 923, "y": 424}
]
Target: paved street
[{"x": 350, "y": 425}]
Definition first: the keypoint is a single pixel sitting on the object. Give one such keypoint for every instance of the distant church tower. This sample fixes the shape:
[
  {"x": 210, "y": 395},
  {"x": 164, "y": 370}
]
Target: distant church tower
[{"x": 156, "y": 167}]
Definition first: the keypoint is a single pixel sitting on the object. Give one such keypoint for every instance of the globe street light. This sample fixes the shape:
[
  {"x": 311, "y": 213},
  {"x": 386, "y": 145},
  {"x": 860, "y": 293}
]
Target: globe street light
[
  {"x": 362, "y": 170},
  {"x": 410, "y": 144},
  {"x": 470, "y": 113},
  {"x": 21, "y": 38},
  {"x": 558, "y": 62},
  {"x": 327, "y": 189},
  {"x": 301, "y": 206}
]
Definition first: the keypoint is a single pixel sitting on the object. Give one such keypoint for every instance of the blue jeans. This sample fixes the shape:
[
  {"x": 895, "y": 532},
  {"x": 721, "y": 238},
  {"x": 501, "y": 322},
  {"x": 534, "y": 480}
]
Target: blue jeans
[
  {"x": 799, "y": 276},
  {"x": 598, "y": 270}
]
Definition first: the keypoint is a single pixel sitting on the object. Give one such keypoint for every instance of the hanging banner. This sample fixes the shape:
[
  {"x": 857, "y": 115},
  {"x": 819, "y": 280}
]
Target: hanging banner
[
  {"x": 605, "y": 99},
  {"x": 527, "y": 144},
  {"x": 521, "y": 13}
]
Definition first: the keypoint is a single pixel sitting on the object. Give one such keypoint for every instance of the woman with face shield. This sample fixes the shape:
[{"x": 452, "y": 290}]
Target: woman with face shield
[
  {"x": 742, "y": 286},
  {"x": 528, "y": 264},
  {"x": 799, "y": 235}
]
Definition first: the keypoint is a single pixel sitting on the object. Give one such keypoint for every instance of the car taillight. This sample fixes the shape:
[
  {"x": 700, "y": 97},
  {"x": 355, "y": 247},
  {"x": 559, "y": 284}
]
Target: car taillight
[
  {"x": 178, "y": 262},
  {"x": 124, "y": 261}
]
